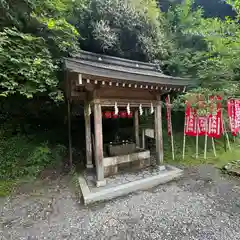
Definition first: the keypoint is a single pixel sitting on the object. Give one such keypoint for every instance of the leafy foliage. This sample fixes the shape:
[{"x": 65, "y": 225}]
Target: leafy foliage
[
  {"x": 33, "y": 137},
  {"x": 130, "y": 29},
  {"x": 14, "y": 13},
  {"x": 21, "y": 157},
  {"x": 221, "y": 67},
  {"x": 35, "y": 35},
  {"x": 188, "y": 49},
  {"x": 206, "y": 49},
  {"x": 23, "y": 72},
  {"x": 213, "y": 8}
]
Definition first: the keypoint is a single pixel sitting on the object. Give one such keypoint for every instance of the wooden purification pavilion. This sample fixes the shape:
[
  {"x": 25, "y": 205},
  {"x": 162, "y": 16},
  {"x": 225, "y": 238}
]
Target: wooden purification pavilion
[{"x": 100, "y": 81}]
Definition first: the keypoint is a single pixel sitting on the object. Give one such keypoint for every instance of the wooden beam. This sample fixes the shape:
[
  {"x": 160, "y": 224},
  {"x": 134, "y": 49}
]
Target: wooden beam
[
  {"x": 98, "y": 145},
  {"x": 124, "y": 102},
  {"x": 120, "y": 93},
  {"x": 120, "y": 82},
  {"x": 136, "y": 127},
  {"x": 88, "y": 138},
  {"x": 158, "y": 134}
]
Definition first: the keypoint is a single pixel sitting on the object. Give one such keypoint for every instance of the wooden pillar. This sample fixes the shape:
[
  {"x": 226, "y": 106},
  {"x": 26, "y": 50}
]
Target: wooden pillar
[
  {"x": 143, "y": 138},
  {"x": 98, "y": 145},
  {"x": 88, "y": 136},
  {"x": 158, "y": 134},
  {"x": 136, "y": 126},
  {"x": 69, "y": 133}
]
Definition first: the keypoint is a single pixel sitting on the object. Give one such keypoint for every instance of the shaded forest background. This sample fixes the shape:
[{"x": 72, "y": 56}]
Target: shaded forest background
[
  {"x": 198, "y": 39},
  {"x": 214, "y": 8}
]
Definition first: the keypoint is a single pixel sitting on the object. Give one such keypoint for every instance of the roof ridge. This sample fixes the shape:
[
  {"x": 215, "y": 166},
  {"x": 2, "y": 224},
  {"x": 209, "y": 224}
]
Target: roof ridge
[
  {"x": 85, "y": 55},
  {"x": 133, "y": 70}
]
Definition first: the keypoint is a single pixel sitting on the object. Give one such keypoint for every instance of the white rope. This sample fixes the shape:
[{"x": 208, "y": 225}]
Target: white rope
[
  {"x": 140, "y": 110},
  {"x": 89, "y": 110},
  {"x": 116, "y": 109},
  {"x": 128, "y": 109},
  {"x": 152, "y": 109}
]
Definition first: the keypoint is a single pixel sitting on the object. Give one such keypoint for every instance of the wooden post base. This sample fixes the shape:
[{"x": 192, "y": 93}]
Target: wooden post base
[{"x": 101, "y": 183}]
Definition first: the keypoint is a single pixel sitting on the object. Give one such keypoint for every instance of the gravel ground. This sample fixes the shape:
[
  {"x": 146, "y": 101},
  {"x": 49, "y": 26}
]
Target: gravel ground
[{"x": 202, "y": 205}]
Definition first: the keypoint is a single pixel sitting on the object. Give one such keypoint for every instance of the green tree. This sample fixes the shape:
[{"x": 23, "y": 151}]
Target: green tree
[
  {"x": 207, "y": 49},
  {"x": 220, "y": 68},
  {"x": 187, "y": 49},
  {"x": 35, "y": 35},
  {"x": 131, "y": 29},
  {"x": 204, "y": 48},
  {"x": 21, "y": 71}
]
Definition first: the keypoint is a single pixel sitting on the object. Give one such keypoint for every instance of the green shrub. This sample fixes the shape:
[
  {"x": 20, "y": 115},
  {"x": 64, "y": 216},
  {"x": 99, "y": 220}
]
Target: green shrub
[
  {"x": 6, "y": 187},
  {"x": 21, "y": 157}
]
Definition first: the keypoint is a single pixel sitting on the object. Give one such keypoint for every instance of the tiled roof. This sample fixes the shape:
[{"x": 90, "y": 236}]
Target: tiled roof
[{"x": 120, "y": 68}]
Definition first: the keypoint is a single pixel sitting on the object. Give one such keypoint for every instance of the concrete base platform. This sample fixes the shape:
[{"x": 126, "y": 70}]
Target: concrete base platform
[{"x": 125, "y": 183}]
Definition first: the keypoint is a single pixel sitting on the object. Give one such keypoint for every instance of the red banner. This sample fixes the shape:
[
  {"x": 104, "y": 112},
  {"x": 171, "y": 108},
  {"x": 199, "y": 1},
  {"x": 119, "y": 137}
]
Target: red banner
[
  {"x": 231, "y": 115},
  {"x": 215, "y": 120},
  {"x": 214, "y": 125},
  {"x": 190, "y": 121},
  {"x": 237, "y": 115},
  {"x": 169, "y": 118},
  {"x": 234, "y": 115},
  {"x": 195, "y": 125},
  {"x": 202, "y": 125}
]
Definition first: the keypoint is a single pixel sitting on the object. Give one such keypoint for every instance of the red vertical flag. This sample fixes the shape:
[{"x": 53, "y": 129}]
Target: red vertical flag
[
  {"x": 190, "y": 121},
  {"x": 237, "y": 116},
  {"x": 231, "y": 115},
  {"x": 200, "y": 125},
  {"x": 215, "y": 120},
  {"x": 234, "y": 115}
]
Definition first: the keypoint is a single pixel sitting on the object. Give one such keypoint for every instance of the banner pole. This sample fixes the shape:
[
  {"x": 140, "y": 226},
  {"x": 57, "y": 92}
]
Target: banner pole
[
  {"x": 184, "y": 137},
  {"x": 197, "y": 137},
  {"x": 225, "y": 132},
  {"x": 172, "y": 141},
  {"x": 230, "y": 117},
  {"x": 209, "y": 128},
  {"x": 214, "y": 149},
  {"x": 227, "y": 137},
  {"x": 206, "y": 138}
]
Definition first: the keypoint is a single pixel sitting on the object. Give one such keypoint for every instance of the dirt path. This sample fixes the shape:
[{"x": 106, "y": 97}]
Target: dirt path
[{"x": 202, "y": 205}]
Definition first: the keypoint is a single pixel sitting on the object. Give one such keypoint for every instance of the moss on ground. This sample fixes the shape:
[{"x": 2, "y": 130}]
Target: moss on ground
[
  {"x": 6, "y": 187},
  {"x": 224, "y": 155}
]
